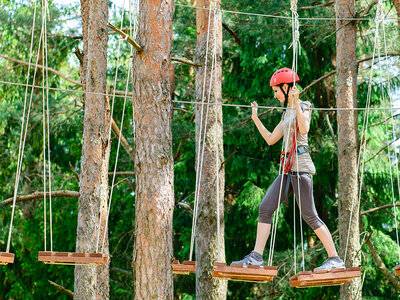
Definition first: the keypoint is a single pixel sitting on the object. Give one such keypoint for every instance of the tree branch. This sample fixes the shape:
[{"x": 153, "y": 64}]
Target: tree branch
[
  {"x": 185, "y": 61},
  {"x": 232, "y": 33},
  {"x": 334, "y": 71},
  {"x": 125, "y": 272},
  {"x": 331, "y": 129},
  {"x": 380, "y": 150},
  {"x": 378, "y": 208},
  {"x": 61, "y": 288},
  {"x": 39, "y": 195},
  {"x": 140, "y": 49},
  {"x": 316, "y": 6},
  {"x": 121, "y": 173},
  {"x": 126, "y": 37},
  {"x": 229, "y": 157},
  {"x": 124, "y": 142},
  {"x": 41, "y": 67},
  {"x": 381, "y": 265}
]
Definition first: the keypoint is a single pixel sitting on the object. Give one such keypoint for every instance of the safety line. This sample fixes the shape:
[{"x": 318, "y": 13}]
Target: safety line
[
  {"x": 198, "y": 102},
  {"x": 283, "y": 17}
]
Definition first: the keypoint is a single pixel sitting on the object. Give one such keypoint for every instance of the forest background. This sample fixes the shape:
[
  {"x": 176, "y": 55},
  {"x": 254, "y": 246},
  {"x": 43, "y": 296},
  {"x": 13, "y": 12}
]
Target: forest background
[{"x": 255, "y": 47}]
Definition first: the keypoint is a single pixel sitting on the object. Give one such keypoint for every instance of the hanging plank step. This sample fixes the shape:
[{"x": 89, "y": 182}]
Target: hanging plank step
[
  {"x": 397, "y": 270},
  {"x": 324, "y": 278},
  {"x": 250, "y": 273},
  {"x": 72, "y": 258},
  {"x": 6, "y": 258},
  {"x": 185, "y": 268}
]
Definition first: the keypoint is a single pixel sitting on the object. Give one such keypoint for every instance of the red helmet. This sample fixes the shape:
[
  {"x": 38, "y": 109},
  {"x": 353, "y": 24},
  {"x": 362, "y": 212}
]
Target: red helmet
[{"x": 284, "y": 75}]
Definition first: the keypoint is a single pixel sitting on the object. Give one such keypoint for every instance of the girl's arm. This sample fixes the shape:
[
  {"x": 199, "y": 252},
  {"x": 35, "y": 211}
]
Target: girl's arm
[
  {"x": 270, "y": 137},
  {"x": 303, "y": 117}
]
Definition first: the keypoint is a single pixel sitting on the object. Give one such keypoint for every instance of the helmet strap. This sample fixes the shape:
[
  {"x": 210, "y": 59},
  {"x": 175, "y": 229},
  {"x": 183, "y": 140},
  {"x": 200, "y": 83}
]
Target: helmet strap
[{"x": 286, "y": 94}]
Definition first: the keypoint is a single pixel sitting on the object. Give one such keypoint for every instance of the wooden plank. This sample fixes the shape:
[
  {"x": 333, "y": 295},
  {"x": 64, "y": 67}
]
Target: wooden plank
[
  {"x": 6, "y": 258},
  {"x": 334, "y": 277},
  {"x": 240, "y": 273},
  {"x": 186, "y": 268},
  {"x": 397, "y": 270},
  {"x": 72, "y": 258}
]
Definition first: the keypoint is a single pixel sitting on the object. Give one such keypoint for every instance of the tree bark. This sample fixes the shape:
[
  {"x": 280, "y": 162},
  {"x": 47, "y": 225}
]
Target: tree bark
[
  {"x": 154, "y": 164},
  {"x": 207, "y": 252},
  {"x": 346, "y": 96},
  {"x": 93, "y": 282}
]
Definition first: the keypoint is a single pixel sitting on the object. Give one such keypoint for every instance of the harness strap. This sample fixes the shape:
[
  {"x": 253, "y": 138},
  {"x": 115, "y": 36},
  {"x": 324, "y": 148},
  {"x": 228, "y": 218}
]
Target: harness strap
[{"x": 289, "y": 162}]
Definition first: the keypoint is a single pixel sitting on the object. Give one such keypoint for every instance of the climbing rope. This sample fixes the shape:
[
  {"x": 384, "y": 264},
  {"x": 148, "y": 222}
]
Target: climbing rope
[
  {"x": 393, "y": 135},
  {"x": 295, "y": 48},
  {"x": 46, "y": 128},
  {"x": 296, "y": 52},
  {"x": 361, "y": 156},
  {"x": 24, "y": 126},
  {"x": 99, "y": 227},
  {"x": 202, "y": 135}
]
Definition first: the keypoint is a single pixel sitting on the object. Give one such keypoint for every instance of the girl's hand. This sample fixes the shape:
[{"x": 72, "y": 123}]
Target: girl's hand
[
  {"x": 254, "y": 110},
  {"x": 294, "y": 95}
]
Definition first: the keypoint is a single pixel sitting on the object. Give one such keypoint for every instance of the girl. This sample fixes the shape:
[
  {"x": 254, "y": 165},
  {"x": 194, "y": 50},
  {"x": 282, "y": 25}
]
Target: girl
[{"x": 298, "y": 169}]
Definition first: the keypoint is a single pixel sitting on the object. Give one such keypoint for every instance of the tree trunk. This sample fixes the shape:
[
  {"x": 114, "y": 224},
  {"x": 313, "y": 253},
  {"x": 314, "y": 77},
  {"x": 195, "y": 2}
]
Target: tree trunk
[
  {"x": 154, "y": 164},
  {"x": 207, "y": 252},
  {"x": 346, "y": 96},
  {"x": 93, "y": 282}
]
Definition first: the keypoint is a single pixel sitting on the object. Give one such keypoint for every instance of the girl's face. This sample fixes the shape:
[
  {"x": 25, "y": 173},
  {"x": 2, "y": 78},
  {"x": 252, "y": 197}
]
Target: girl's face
[{"x": 278, "y": 94}]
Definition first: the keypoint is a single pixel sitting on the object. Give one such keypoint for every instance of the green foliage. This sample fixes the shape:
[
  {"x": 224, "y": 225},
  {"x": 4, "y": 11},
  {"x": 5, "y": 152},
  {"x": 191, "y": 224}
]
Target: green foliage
[{"x": 265, "y": 47}]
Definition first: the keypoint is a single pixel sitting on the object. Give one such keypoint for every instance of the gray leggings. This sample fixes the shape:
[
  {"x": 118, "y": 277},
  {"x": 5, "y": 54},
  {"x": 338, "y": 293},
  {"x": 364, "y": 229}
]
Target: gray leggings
[{"x": 308, "y": 211}]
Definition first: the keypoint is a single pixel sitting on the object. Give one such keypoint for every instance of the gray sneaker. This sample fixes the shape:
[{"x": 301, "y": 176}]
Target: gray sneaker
[
  {"x": 331, "y": 263},
  {"x": 253, "y": 258}
]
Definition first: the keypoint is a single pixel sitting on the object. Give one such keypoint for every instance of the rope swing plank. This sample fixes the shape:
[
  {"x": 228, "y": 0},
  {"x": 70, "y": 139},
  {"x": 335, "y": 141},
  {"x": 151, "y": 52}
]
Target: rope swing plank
[
  {"x": 324, "y": 278},
  {"x": 185, "y": 268},
  {"x": 238, "y": 272},
  {"x": 72, "y": 258},
  {"x": 52, "y": 257},
  {"x": 6, "y": 258}
]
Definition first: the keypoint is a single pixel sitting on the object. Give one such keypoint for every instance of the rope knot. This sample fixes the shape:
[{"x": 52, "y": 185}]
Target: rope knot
[
  {"x": 380, "y": 15},
  {"x": 293, "y": 6}
]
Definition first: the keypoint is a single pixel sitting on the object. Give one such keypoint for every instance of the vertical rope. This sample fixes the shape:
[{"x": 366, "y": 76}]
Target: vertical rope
[
  {"x": 44, "y": 124},
  {"x": 294, "y": 235},
  {"x": 218, "y": 205},
  {"x": 378, "y": 20},
  {"x": 199, "y": 156},
  {"x": 217, "y": 163},
  {"x": 276, "y": 215},
  {"x": 389, "y": 88},
  {"x": 24, "y": 127},
  {"x": 285, "y": 145},
  {"x": 47, "y": 13},
  {"x": 301, "y": 214},
  {"x": 109, "y": 133}
]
